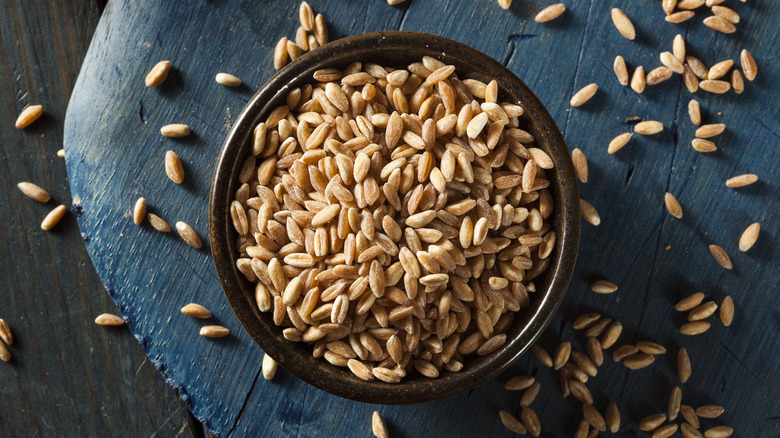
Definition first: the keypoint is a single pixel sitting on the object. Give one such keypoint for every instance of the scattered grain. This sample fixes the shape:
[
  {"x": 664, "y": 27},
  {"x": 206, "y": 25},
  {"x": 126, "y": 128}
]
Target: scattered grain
[
  {"x": 34, "y": 192},
  {"x": 268, "y": 367},
  {"x": 196, "y": 311},
  {"x": 5, "y": 332},
  {"x": 175, "y": 130},
  {"x": 603, "y": 287},
  {"x": 719, "y": 24},
  {"x": 683, "y": 365},
  {"x": 709, "y": 411},
  {"x": 648, "y": 127},
  {"x": 694, "y": 328},
  {"x": 550, "y": 13},
  {"x": 227, "y": 80},
  {"x": 214, "y": 331},
  {"x": 623, "y": 24},
  {"x": 139, "y": 211},
  {"x": 188, "y": 235},
  {"x": 108, "y": 319},
  {"x": 589, "y": 213},
  {"x": 618, "y": 142},
  {"x": 741, "y": 180},
  {"x": 621, "y": 71},
  {"x": 749, "y": 66},
  {"x": 584, "y": 95},
  {"x": 638, "y": 81},
  {"x": 53, "y": 218}
]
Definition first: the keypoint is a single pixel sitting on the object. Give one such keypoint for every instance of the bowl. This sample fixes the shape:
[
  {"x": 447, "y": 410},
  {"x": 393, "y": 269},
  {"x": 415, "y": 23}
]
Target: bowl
[{"x": 394, "y": 49}]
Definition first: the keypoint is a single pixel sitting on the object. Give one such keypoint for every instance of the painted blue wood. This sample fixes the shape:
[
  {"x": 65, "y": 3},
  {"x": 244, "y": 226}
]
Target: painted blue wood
[{"x": 115, "y": 154}]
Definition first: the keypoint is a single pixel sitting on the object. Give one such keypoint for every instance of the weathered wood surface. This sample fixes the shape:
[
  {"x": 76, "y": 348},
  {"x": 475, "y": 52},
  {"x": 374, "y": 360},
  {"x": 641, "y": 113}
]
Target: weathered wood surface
[
  {"x": 67, "y": 376},
  {"x": 115, "y": 154}
]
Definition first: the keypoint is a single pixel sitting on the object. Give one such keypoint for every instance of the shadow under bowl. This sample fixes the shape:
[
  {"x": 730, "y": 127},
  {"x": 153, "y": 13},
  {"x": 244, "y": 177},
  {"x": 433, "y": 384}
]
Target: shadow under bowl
[{"x": 396, "y": 49}]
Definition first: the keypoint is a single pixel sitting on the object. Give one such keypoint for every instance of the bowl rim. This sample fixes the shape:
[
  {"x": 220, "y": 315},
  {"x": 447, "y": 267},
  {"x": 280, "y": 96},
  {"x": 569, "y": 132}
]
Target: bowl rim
[{"x": 328, "y": 377}]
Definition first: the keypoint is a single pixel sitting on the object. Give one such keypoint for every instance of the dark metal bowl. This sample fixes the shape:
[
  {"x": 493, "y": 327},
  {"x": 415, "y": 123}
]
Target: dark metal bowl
[{"x": 397, "y": 49}]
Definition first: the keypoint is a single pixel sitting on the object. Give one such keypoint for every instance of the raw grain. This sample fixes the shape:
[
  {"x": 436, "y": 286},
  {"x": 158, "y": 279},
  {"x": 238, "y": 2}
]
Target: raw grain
[
  {"x": 673, "y": 206},
  {"x": 549, "y": 13},
  {"x": 623, "y": 352},
  {"x": 621, "y": 71},
  {"x": 188, "y": 235},
  {"x": 683, "y": 365},
  {"x": 531, "y": 422},
  {"x": 108, "y": 319},
  {"x": 34, "y": 192},
  {"x": 269, "y": 367},
  {"x": 679, "y": 17},
  {"x": 711, "y": 130},
  {"x": 5, "y": 332},
  {"x": 715, "y": 86},
  {"x": 690, "y": 416},
  {"x": 612, "y": 417},
  {"x": 673, "y": 406},
  {"x": 648, "y": 127},
  {"x": 173, "y": 167},
  {"x": 53, "y": 218},
  {"x": 593, "y": 417},
  {"x": 529, "y": 395},
  {"x": 5, "y": 353},
  {"x": 741, "y": 180},
  {"x": 709, "y": 411},
  {"x": 227, "y": 80},
  {"x": 650, "y": 347},
  {"x": 561, "y": 355},
  {"x": 737, "y": 83},
  {"x": 158, "y": 223},
  {"x": 603, "y": 287},
  {"x": 280, "y": 54},
  {"x": 618, "y": 142},
  {"x": 749, "y": 66},
  {"x": 671, "y": 62},
  {"x": 652, "y": 422},
  {"x": 638, "y": 81},
  {"x": 139, "y": 211},
  {"x": 658, "y": 75},
  {"x": 585, "y": 320},
  {"x": 718, "y": 432},
  {"x": 665, "y": 431},
  {"x": 584, "y": 95},
  {"x": 638, "y": 360},
  {"x": 519, "y": 383},
  {"x": 720, "y": 69},
  {"x": 720, "y": 24},
  {"x": 214, "y": 331},
  {"x": 678, "y": 48},
  {"x": 589, "y": 213},
  {"x": 512, "y": 423},
  {"x": 61, "y": 153},
  {"x": 196, "y": 311},
  {"x": 611, "y": 335},
  {"x": 703, "y": 311},
  {"x": 28, "y": 115},
  {"x": 725, "y": 13},
  {"x": 175, "y": 130},
  {"x": 623, "y": 24},
  {"x": 694, "y": 112},
  {"x": 727, "y": 311},
  {"x": 694, "y": 328},
  {"x": 158, "y": 74},
  {"x": 541, "y": 355},
  {"x": 703, "y": 146},
  {"x": 580, "y": 165}
]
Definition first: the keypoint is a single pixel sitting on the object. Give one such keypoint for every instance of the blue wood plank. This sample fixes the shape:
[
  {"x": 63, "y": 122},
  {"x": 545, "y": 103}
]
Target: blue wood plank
[{"x": 115, "y": 155}]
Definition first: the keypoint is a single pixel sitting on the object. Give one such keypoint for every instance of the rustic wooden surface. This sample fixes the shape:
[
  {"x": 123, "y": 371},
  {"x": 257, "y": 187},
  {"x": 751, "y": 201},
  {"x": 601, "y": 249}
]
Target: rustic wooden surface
[
  {"x": 115, "y": 154},
  {"x": 67, "y": 376}
]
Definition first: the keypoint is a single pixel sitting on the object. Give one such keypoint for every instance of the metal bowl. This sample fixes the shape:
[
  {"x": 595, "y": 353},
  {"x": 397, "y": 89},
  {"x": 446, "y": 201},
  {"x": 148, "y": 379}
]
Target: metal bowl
[{"x": 397, "y": 49}]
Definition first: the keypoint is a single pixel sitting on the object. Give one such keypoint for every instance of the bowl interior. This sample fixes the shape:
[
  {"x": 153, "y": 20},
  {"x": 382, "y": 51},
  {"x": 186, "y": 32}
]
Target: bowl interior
[{"x": 395, "y": 49}]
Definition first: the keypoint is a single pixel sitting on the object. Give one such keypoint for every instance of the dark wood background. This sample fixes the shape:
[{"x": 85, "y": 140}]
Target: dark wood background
[
  {"x": 67, "y": 376},
  {"x": 113, "y": 121}
]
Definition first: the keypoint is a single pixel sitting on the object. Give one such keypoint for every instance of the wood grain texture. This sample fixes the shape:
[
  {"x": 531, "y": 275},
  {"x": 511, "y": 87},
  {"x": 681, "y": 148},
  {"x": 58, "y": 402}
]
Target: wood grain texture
[
  {"x": 115, "y": 154},
  {"x": 67, "y": 376}
]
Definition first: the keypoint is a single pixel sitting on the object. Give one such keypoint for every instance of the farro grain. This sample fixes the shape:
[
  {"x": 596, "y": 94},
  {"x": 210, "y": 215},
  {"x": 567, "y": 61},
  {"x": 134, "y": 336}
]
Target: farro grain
[
  {"x": 679, "y": 17},
  {"x": 561, "y": 355},
  {"x": 621, "y": 71},
  {"x": 512, "y": 423},
  {"x": 623, "y": 351},
  {"x": 584, "y": 94},
  {"x": 719, "y": 24},
  {"x": 280, "y": 54},
  {"x": 618, "y": 142},
  {"x": 718, "y": 432},
  {"x": 529, "y": 394},
  {"x": 709, "y": 411},
  {"x": 652, "y": 422},
  {"x": 53, "y": 218},
  {"x": 690, "y": 79},
  {"x": 694, "y": 112},
  {"x": 702, "y": 311},
  {"x": 34, "y": 192},
  {"x": 139, "y": 211},
  {"x": 671, "y": 62},
  {"x": 158, "y": 223},
  {"x": 173, "y": 167},
  {"x": 519, "y": 383},
  {"x": 658, "y": 75},
  {"x": 584, "y": 363},
  {"x": 188, "y": 235},
  {"x": 107, "y": 319},
  {"x": 585, "y": 320},
  {"x": 720, "y": 255},
  {"x": 269, "y": 367},
  {"x": 715, "y": 86},
  {"x": 603, "y": 287},
  {"x": 541, "y": 355},
  {"x": 306, "y": 16},
  {"x": 580, "y": 391},
  {"x": 550, "y": 13},
  {"x": 690, "y": 416},
  {"x": 611, "y": 335},
  {"x": 5, "y": 353},
  {"x": 593, "y": 417},
  {"x": 673, "y": 206},
  {"x": 589, "y": 213},
  {"x": 623, "y": 24},
  {"x": 320, "y": 30},
  {"x": 694, "y": 328},
  {"x": 61, "y": 153},
  {"x": 749, "y": 237},
  {"x": 214, "y": 331},
  {"x": 720, "y": 69},
  {"x": 5, "y": 332},
  {"x": 638, "y": 81},
  {"x": 531, "y": 422},
  {"x": 683, "y": 365},
  {"x": 673, "y": 406},
  {"x": 650, "y": 347},
  {"x": 749, "y": 66},
  {"x": 704, "y": 146},
  {"x": 678, "y": 48},
  {"x": 737, "y": 83},
  {"x": 612, "y": 417},
  {"x": 666, "y": 430},
  {"x": 638, "y": 360},
  {"x": 175, "y": 130},
  {"x": 741, "y": 180},
  {"x": 227, "y": 80},
  {"x": 196, "y": 311},
  {"x": 158, "y": 74},
  {"x": 648, "y": 127}
]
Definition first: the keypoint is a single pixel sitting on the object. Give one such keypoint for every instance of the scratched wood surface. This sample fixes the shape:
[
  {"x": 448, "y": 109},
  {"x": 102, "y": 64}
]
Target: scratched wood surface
[
  {"x": 67, "y": 376},
  {"x": 115, "y": 154}
]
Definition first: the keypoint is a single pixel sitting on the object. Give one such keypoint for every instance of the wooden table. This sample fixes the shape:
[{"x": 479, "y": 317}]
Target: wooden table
[{"x": 654, "y": 258}]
